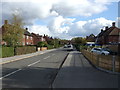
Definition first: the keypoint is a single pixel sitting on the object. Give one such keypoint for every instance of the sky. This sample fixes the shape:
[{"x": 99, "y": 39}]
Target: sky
[{"x": 63, "y": 19}]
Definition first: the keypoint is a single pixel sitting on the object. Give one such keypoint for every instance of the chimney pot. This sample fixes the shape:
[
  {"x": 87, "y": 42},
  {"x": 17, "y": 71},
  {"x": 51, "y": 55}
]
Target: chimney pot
[
  {"x": 26, "y": 28},
  {"x": 6, "y": 22},
  {"x": 101, "y": 30},
  {"x": 113, "y": 24},
  {"x": 106, "y": 27}
]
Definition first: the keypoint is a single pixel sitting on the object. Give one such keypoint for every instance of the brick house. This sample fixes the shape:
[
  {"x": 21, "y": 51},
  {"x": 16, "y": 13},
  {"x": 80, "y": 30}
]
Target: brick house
[
  {"x": 37, "y": 38},
  {"x": 47, "y": 38},
  {"x": 110, "y": 35},
  {"x": 90, "y": 40},
  {"x": 27, "y": 38},
  {"x": 2, "y": 30},
  {"x": 1, "y": 41}
]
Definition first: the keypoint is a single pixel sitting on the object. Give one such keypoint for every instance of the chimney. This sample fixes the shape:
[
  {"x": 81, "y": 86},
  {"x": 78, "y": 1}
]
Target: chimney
[
  {"x": 101, "y": 30},
  {"x": 26, "y": 29},
  {"x": 106, "y": 27},
  {"x": 6, "y": 22},
  {"x": 113, "y": 24}
]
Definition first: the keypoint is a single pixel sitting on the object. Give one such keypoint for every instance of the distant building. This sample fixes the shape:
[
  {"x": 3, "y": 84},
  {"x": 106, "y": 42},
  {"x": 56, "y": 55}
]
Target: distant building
[
  {"x": 3, "y": 30},
  {"x": 37, "y": 38},
  {"x": 47, "y": 38},
  {"x": 109, "y": 35},
  {"x": 27, "y": 38},
  {"x": 90, "y": 40},
  {"x": 2, "y": 42}
]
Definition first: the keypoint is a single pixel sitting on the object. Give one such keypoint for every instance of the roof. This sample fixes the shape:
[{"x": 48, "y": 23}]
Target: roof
[
  {"x": 36, "y": 35},
  {"x": 27, "y": 33},
  {"x": 116, "y": 31},
  {"x": 91, "y": 38},
  {"x": 108, "y": 31},
  {"x": 112, "y": 31}
]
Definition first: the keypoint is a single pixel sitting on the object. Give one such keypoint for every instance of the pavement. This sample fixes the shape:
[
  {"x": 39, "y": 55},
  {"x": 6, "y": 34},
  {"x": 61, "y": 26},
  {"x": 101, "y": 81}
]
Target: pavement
[{"x": 77, "y": 72}]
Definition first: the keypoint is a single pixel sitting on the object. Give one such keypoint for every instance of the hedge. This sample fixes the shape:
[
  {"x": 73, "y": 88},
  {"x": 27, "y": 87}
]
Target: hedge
[
  {"x": 7, "y": 51},
  {"x": 50, "y": 46},
  {"x": 25, "y": 50}
]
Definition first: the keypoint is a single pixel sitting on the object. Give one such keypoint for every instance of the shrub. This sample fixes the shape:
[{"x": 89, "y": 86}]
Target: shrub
[
  {"x": 50, "y": 46},
  {"x": 42, "y": 44},
  {"x": 7, "y": 51}
]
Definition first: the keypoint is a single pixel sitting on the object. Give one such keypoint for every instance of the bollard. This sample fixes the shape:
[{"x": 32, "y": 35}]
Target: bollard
[{"x": 113, "y": 63}]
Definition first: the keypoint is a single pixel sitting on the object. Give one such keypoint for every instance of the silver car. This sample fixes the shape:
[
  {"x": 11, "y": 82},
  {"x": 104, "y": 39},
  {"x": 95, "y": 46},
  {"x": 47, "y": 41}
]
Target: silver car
[
  {"x": 69, "y": 47},
  {"x": 100, "y": 51}
]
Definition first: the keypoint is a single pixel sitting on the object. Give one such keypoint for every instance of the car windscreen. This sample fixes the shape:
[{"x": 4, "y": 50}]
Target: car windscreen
[{"x": 69, "y": 46}]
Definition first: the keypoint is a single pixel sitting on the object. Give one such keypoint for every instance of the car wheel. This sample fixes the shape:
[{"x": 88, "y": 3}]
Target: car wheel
[{"x": 103, "y": 54}]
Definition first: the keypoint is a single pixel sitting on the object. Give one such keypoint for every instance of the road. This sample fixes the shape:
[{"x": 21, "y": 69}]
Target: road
[
  {"x": 34, "y": 72},
  {"x": 43, "y": 71}
]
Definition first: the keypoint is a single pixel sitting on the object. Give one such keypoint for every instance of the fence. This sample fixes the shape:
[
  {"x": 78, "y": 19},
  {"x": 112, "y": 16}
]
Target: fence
[{"x": 108, "y": 62}]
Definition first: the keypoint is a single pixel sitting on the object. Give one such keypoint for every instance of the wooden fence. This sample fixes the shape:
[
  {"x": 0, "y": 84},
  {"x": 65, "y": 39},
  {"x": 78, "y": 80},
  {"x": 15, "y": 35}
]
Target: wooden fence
[{"x": 108, "y": 62}]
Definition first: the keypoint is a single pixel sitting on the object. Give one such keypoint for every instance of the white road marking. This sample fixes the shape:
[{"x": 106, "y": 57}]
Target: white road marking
[
  {"x": 46, "y": 57},
  {"x": 10, "y": 74},
  {"x": 33, "y": 63}
]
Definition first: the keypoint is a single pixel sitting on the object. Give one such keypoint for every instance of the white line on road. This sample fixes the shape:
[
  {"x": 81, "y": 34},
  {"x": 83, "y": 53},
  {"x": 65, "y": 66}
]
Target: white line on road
[
  {"x": 33, "y": 63},
  {"x": 10, "y": 74},
  {"x": 46, "y": 57}
]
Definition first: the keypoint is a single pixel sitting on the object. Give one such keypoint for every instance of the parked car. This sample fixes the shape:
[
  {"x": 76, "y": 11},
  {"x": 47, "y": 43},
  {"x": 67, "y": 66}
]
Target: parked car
[
  {"x": 100, "y": 51},
  {"x": 65, "y": 46},
  {"x": 111, "y": 52},
  {"x": 69, "y": 47}
]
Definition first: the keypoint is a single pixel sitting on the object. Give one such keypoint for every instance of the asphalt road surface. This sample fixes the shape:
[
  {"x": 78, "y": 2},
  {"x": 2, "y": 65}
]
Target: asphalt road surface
[
  {"x": 43, "y": 71},
  {"x": 77, "y": 72},
  {"x": 34, "y": 72}
]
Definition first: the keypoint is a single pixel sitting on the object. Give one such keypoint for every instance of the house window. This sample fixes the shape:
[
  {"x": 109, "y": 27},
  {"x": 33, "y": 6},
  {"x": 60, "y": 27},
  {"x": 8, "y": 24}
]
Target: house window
[
  {"x": 27, "y": 43},
  {"x": 31, "y": 38},
  {"x": 27, "y": 37},
  {"x": 23, "y": 43}
]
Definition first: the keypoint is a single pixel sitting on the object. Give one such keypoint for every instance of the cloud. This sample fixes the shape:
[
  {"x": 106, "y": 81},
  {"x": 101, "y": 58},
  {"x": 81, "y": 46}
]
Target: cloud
[
  {"x": 31, "y": 10},
  {"x": 79, "y": 7},
  {"x": 56, "y": 14},
  {"x": 40, "y": 29},
  {"x": 84, "y": 28},
  {"x": 60, "y": 24},
  {"x": 66, "y": 28}
]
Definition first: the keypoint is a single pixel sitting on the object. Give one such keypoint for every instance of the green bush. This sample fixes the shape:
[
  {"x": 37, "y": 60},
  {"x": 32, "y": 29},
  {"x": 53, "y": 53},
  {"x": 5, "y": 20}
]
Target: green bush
[
  {"x": 50, "y": 46},
  {"x": 7, "y": 51},
  {"x": 77, "y": 46},
  {"x": 42, "y": 44},
  {"x": 83, "y": 47}
]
